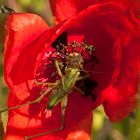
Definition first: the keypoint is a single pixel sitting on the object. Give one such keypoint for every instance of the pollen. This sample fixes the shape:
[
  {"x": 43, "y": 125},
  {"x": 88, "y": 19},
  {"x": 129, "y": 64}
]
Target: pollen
[{"x": 76, "y": 54}]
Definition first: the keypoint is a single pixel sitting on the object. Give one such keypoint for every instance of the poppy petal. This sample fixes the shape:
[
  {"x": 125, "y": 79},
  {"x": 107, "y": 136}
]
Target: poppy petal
[
  {"x": 75, "y": 6},
  {"x": 121, "y": 96},
  {"x": 22, "y": 32}
]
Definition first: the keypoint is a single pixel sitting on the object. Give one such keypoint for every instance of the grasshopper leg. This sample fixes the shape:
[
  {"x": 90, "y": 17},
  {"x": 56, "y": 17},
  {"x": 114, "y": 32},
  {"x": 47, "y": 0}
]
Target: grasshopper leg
[
  {"x": 79, "y": 90},
  {"x": 30, "y": 102},
  {"x": 83, "y": 77},
  {"x": 57, "y": 65},
  {"x": 63, "y": 107},
  {"x": 45, "y": 83}
]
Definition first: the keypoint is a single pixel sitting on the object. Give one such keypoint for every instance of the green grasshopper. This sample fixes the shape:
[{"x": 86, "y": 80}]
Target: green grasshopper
[
  {"x": 61, "y": 89},
  {"x": 58, "y": 91}
]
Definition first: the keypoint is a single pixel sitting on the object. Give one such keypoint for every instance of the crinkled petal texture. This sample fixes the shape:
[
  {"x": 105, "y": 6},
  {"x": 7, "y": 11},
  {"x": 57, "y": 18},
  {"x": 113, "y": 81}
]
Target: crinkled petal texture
[
  {"x": 64, "y": 9},
  {"x": 24, "y": 34},
  {"x": 135, "y": 5},
  {"x": 114, "y": 34}
]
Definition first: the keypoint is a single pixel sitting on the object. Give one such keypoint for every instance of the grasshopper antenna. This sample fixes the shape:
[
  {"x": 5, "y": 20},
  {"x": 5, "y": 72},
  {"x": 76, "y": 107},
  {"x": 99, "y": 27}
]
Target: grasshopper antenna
[{"x": 96, "y": 72}]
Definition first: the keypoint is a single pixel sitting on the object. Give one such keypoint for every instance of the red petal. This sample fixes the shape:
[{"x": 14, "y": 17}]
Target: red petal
[
  {"x": 16, "y": 127},
  {"x": 64, "y": 9},
  {"x": 82, "y": 129},
  {"x": 135, "y": 6},
  {"x": 24, "y": 34},
  {"x": 121, "y": 96}
]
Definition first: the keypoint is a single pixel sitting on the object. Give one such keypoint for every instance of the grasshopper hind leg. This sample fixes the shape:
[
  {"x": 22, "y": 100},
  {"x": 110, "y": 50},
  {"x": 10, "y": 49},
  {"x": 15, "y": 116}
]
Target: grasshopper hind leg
[{"x": 63, "y": 107}]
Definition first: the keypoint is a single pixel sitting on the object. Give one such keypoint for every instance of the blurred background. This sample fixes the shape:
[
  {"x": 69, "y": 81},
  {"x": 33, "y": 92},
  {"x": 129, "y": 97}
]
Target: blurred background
[{"x": 103, "y": 129}]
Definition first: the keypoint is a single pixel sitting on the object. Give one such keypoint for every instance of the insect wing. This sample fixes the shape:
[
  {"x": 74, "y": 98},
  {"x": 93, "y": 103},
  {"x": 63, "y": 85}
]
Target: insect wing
[{"x": 70, "y": 79}]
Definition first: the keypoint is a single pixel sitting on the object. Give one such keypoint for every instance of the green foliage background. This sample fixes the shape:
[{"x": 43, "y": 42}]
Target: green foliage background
[{"x": 103, "y": 129}]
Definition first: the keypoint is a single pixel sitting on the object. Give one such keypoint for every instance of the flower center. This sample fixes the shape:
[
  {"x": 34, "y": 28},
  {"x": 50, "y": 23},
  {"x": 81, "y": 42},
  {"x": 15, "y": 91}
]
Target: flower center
[
  {"x": 75, "y": 60},
  {"x": 75, "y": 55},
  {"x": 68, "y": 67}
]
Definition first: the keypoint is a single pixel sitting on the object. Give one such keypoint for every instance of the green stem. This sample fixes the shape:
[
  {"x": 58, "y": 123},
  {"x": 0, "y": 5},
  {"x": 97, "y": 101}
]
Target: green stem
[
  {"x": 1, "y": 129},
  {"x": 135, "y": 124}
]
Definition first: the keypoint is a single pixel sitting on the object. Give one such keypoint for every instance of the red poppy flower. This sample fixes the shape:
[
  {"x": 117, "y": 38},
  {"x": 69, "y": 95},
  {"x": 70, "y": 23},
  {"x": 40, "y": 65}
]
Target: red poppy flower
[
  {"x": 63, "y": 9},
  {"x": 28, "y": 52}
]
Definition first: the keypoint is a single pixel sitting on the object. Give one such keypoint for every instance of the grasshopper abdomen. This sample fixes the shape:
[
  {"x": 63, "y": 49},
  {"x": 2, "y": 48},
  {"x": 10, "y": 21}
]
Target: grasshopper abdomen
[{"x": 65, "y": 87}]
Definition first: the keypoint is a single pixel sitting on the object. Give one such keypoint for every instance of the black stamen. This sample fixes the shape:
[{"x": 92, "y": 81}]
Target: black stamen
[
  {"x": 87, "y": 86},
  {"x": 61, "y": 41}
]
